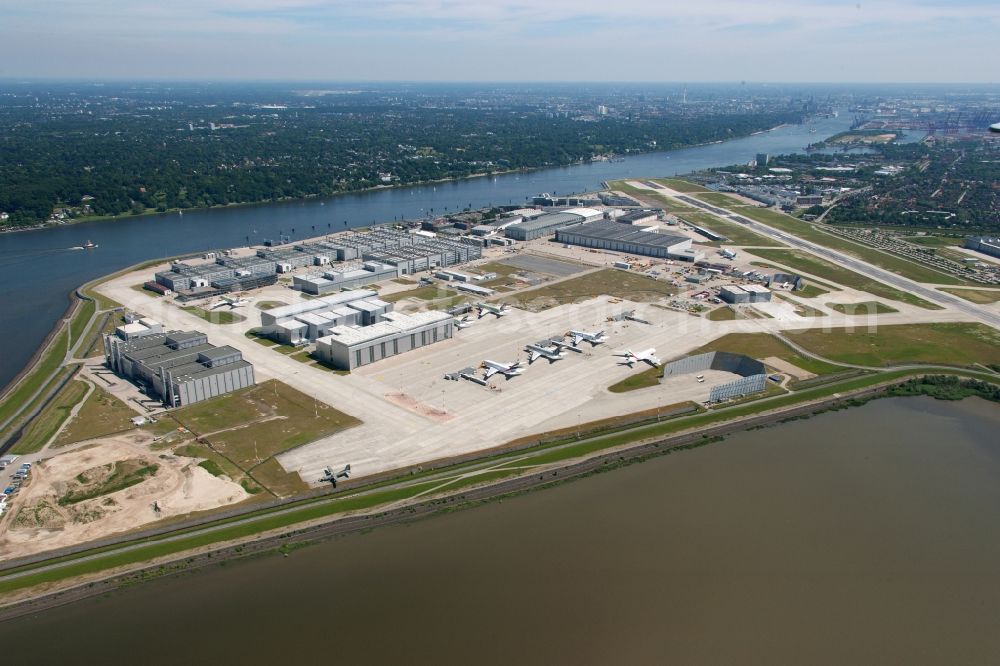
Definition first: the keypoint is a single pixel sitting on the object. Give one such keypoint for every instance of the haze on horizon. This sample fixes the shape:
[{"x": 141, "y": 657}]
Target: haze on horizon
[{"x": 502, "y": 40}]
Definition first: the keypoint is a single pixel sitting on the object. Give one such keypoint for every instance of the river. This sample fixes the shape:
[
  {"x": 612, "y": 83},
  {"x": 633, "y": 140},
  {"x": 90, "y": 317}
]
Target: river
[
  {"x": 863, "y": 536},
  {"x": 38, "y": 270}
]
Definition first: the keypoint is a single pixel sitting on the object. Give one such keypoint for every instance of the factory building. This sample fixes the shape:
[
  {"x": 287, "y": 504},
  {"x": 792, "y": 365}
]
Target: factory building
[
  {"x": 180, "y": 367},
  {"x": 549, "y": 223},
  {"x": 349, "y": 347},
  {"x": 989, "y": 246},
  {"x": 305, "y": 322},
  {"x": 138, "y": 327},
  {"x": 427, "y": 254},
  {"x": 645, "y": 216},
  {"x": 338, "y": 280},
  {"x": 748, "y": 293},
  {"x": 627, "y": 238}
]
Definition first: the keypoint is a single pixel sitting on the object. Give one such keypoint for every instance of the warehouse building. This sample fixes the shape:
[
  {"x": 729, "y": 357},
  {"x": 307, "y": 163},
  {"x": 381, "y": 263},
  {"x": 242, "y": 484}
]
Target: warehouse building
[
  {"x": 426, "y": 254},
  {"x": 644, "y": 216},
  {"x": 627, "y": 238},
  {"x": 989, "y": 246},
  {"x": 549, "y": 223},
  {"x": 748, "y": 293},
  {"x": 338, "y": 280},
  {"x": 138, "y": 327},
  {"x": 349, "y": 347},
  {"x": 305, "y": 322},
  {"x": 180, "y": 367}
]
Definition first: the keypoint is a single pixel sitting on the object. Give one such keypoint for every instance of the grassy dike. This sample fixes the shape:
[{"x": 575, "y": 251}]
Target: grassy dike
[{"x": 413, "y": 489}]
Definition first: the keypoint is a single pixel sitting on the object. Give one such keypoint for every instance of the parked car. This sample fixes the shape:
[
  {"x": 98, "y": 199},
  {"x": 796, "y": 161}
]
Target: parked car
[{"x": 9, "y": 490}]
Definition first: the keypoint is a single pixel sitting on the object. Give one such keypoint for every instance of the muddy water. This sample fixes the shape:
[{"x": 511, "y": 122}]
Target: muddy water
[{"x": 865, "y": 536}]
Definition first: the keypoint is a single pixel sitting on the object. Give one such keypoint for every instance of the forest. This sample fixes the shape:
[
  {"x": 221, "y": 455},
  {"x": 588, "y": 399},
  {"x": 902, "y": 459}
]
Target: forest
[{"x": 65, "y": 156}]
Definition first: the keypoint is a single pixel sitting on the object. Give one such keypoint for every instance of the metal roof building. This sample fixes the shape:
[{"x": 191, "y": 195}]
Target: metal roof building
[
  {"x": 547, "y": 224},
  {"x": 627, "y": 238},
  {"x": 349, "y": 347}
]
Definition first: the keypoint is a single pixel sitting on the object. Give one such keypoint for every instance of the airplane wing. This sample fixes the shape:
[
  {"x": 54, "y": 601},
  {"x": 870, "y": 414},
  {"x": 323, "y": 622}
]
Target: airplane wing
[
  {"x": 533, "y": 356},
  {"x": 489, "y": 372},
  {"x": 577, "y": 339}
]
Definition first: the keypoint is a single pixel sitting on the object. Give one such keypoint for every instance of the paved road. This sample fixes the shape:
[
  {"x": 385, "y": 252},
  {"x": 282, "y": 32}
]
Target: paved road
[{"x": 889, "y": 278}]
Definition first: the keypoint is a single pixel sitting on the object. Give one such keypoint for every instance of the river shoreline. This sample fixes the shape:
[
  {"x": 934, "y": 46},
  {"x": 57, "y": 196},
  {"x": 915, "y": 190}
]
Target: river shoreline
[{"x": 342, "y": 524}]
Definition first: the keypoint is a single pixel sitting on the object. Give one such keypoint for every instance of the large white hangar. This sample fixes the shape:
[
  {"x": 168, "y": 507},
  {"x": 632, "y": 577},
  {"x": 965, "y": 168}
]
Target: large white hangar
[{"x": 643, "y": 241}]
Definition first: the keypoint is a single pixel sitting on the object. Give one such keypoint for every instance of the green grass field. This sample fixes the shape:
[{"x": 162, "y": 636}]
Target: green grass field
[
  {"x": 889, "y": 262},
  {"x": 253, "y": 424},
  {"x": 637, "y": 380},
  {"x": 609, "y": 282},
  {"x": 802, "y": 261},
  {"x": 864, "y": 308},
  {"x": 811, "y": 291},
  {"x": 764, "y": 345},
  {"x": 945, "y": 344},
  {"x": 725, "y": 313},
  {"x": 425, "y": 293},
  {"x": 680, "y": 185},
  {"x": 50, "y": 360},
  {"x": 102, "y": 414},
  {"x": 269, "y": 305},
  {"x": 977, "y": 296},
  {"x": 45, "y": 425},
  {"x": 736, "y": 233},
  {"x": 215, "y": 316},
  {"x": 719, "y": 199}
]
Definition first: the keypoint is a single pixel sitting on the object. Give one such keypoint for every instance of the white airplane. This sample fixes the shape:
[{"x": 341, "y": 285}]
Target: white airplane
[
  {"x": 535, "y": 352},
  {"x": 728, "y": 254},
  {"x": 231, "y": 301},
  {"x": 489, "y": 308},
  {"x": 593, "y": 338},
  {"x": 330, "y": 476},
  {"x": 464, "y": 322},
  {"x": 508, "y": 370},
  {"x": 646, "y": 356}
]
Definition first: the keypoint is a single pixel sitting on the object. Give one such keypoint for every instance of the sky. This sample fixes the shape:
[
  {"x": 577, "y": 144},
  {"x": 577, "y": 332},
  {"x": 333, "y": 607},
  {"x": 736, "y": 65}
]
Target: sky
[{"x": 502, "y": 40}]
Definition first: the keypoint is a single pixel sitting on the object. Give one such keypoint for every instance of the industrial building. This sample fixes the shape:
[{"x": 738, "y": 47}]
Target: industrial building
[
  {"x": 549, "y": 223},
  {"x": 349, "y": 347},
  {"x": 426, "y": 254},
  {"x": 989, "y": 246},
  {"x": 138, "y": 327},
  {"x": 337, "y": 280},
  {"x": 748, "y": 293},
  {"x": 305, "y": 322},
  {"x": 627, "y": 238},
  {"x": 180, "y": 367},
  {"x": 644, "y": 216}
]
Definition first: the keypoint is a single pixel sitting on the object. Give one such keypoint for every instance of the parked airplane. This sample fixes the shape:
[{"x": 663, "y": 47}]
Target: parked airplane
[
  {"x": 330, "y": 476},
  {"x": 646, "y": 356},
  {"x": 728, "y": 254},
  {"x": 560, "y": 344},
  {"x": 231, "y": 301},
  {"x": 536, "y": 352},
  {"x": 464, "y": 322},
  {"x": 593, "y": 338},
  {"x": 508, "y": 370},
  {"x": 489, "y": 308}
]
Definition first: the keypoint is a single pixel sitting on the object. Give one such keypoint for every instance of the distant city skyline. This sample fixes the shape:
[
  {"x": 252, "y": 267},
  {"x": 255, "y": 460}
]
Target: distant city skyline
[{"x": 503, "y": 40}]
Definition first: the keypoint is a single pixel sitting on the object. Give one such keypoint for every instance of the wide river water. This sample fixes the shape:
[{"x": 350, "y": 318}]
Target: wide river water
[
  {"x": 867, "y": 536},
  {"x": 38, "y": 269}
]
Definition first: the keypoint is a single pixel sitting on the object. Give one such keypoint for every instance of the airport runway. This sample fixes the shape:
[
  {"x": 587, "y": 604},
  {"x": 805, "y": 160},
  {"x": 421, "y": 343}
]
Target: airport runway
[{"x": 939, "y": 297}]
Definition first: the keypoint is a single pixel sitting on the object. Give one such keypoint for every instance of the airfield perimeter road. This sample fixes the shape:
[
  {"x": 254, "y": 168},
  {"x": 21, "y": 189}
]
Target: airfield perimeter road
[{"x": 932, "y": 295}]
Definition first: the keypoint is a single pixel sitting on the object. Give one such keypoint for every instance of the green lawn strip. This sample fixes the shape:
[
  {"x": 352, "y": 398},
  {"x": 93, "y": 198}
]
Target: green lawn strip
[
  {"x": 214, "y": 316},
  {"x": 807, "y": 263},
  {"x": 885, "y": 260},
  {"x": 977, "y": 296},
  {"x": 735, "y": 232},
  {"x": 101, "y": 414},
  {"x": 725, "y": 313},
  {"x": 811, "y": 291},
  {"x": 646, "y": 378},
  {"x": 864, "y": 308},
  {"x": 606, "y": 282},
  {"x": 719, "y": 199},
  {"x": 315, "y": 509},
  {"x": 50, "y": 360},
  {"x": 425, "y": 293},
  {"x": 680, "y": 185},
  {"x": 959, "y": 344},
  {"x": 764, "y": 345},
  {"x": 81, "y": 320},
  {"x": 45, "y": 425}
]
